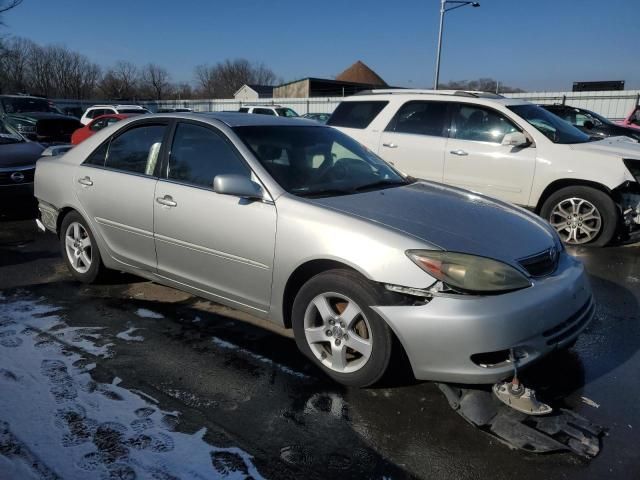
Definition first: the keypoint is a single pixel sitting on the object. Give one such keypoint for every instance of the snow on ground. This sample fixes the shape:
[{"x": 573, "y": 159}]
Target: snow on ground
[
  {"x": 127, "y": 335},
  {"x": 56, "y": 422},
  {"x": 144, "y": 313}
]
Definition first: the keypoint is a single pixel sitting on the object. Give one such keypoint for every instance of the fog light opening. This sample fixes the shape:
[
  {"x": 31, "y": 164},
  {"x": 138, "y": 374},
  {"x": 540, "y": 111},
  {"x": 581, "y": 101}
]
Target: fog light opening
[{"x": 496, "y": 359}]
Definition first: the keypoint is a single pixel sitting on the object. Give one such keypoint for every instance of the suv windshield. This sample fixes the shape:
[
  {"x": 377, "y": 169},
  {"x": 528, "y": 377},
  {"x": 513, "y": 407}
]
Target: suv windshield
[
  {"x": 8, "y": 134},
  {"x": 26, "y": 104},
  {"x": 286, "y": 112},
  {"x": 552, "y": 126},
  {"x": 317, "y": 161}
]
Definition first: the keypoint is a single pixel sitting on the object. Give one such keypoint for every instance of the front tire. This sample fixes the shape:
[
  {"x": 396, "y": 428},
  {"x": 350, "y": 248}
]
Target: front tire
[
  {"x": 336, "y": 328},
  {"x": 80, "y": 250},
  {"x": 582, "y": 216}
]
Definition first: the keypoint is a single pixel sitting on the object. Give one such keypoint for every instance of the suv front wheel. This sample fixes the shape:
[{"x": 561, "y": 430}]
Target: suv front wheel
[{"x": 582, "y": 215}]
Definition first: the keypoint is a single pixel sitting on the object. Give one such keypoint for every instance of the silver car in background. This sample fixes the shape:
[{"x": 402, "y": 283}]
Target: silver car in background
[{"x": 297, "y": 223}]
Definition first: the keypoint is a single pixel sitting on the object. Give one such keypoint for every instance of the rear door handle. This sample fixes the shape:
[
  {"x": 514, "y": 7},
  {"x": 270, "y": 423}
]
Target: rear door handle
[
  {"x": 459, "y": 152},
  {"x": 86, "y": 181},
  {"x": 167, "y": 201},
  {"x": 390, "y": 145}
]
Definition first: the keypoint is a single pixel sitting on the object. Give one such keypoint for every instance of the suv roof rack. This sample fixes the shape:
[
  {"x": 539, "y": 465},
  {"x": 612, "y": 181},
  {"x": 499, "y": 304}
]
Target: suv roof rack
[{"x": 407, "y": 91}]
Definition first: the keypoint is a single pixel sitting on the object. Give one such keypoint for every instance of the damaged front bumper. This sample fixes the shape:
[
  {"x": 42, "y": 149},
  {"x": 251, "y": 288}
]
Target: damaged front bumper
[{"x": 466, "y": 339}]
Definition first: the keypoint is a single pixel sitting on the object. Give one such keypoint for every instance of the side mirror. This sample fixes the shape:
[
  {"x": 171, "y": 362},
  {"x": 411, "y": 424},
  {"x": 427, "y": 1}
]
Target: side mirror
[
  {"x": 515, "y": 139},
  {"x": 238, "y": 186},
  {"x": 588, "y": 124}
]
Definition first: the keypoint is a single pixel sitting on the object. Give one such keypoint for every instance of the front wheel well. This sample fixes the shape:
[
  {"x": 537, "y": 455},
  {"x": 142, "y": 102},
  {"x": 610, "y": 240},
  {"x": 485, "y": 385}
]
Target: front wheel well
[
  {"x": 568, "y": 182},
  {"x": 299, "y": 277}
]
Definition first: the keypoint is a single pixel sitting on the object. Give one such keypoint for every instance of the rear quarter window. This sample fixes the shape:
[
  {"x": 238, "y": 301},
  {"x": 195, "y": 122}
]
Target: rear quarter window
[{"x": 356, "y": 114}]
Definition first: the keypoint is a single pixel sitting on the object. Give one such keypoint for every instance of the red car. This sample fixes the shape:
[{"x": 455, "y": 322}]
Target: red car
[
  {"x": 96, "y": 125},
  {"x": 633, "y": 120}
]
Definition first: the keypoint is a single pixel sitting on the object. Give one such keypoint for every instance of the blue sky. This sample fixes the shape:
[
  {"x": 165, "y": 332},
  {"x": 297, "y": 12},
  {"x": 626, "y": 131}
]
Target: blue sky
[{"x": 535, "y": 45}]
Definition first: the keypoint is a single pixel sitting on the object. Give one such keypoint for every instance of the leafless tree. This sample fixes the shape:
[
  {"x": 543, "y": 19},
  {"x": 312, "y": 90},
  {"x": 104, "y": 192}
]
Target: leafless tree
[
  {"x": 120, "y": 81},
  {"x": 156, "y": 81},
  {"x": 14, "y": 65},
  {"x": 6, "y": 5},
  {"x": 481, "y": 84},
  {"x": 223, "y": 79}
]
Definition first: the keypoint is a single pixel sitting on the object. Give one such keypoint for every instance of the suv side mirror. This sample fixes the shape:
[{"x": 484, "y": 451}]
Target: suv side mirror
[
  {"x": 515, "y": 139},
  {"x": 237, "y": 185}
]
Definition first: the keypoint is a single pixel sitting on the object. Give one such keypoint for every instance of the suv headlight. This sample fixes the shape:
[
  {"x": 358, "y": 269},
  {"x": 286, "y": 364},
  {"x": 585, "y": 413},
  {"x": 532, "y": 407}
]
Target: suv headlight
[
  {"x": 633, "y": 166},
  {"x": 469, "y": 273}
]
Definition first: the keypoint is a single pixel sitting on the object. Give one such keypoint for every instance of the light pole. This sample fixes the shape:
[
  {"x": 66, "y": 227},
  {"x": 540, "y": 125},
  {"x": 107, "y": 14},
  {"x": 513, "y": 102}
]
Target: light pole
[{"x": 443, "y": 10}]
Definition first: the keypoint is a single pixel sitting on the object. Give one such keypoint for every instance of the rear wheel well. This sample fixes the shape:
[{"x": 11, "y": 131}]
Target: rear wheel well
[
  {"x": 61, "y": 214},
  {"x": 568, "y": 182},
  {"x": 299, "y": 277}
]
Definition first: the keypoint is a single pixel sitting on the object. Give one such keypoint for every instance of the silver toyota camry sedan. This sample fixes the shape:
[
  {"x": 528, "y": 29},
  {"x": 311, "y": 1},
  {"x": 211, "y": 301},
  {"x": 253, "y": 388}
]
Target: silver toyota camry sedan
[{"x": 297, "y": 223}]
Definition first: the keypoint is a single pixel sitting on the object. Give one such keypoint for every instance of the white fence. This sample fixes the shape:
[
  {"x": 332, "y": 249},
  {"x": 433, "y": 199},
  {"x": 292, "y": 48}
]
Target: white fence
[{"x": 612, "y": 104}]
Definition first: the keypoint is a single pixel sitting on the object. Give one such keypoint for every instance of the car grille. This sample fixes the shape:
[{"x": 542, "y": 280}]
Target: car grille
[
  {"x": 572, "y": 325},
  {"x": 5, "y": 176},
  {"x": 541, "y": 264},
  {"x": 56, "y": 130}
]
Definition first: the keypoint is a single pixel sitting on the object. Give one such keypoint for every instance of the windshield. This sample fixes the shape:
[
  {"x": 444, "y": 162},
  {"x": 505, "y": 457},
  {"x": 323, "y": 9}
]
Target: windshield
[
  {"x": 317, "y": 161},
  {"x": 8, "y": 134},
  {"x": 26, "y": 104},
  {"x": 286, "y": 112},
  {"x": 552, "y": 126}
]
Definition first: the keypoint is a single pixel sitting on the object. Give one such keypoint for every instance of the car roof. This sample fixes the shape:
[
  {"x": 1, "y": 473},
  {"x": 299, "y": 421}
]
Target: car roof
[
  {"x": 237, "y": 119},
  {"x": 116, "y": 106},
  {"x": 483, "y": 98}
]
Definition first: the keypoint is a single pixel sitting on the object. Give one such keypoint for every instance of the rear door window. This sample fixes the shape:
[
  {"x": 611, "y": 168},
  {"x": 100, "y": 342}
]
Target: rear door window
[
  {"x": 421, "y": 118},
  {"x": 356, "y": 114},
  {"x": 137, "y": 150}
]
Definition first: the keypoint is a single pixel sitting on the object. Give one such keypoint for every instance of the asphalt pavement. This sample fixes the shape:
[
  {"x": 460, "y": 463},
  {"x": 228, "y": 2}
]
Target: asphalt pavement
[{"x": 251, "y": 389}]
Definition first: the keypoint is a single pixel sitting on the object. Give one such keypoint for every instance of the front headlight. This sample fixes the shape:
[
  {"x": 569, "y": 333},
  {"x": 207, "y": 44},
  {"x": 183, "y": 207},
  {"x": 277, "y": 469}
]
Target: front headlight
[
  {"x": 633, "y": 166},
  {"x": 469, "y": 273}
]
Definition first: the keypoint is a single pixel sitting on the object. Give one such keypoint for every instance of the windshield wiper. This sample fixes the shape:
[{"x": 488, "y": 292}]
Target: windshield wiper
[
  {"x": 380, "y": 183},
  {"x": 327, "y": 192}
]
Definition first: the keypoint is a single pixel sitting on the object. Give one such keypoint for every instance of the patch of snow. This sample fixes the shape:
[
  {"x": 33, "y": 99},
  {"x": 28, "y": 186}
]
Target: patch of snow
[
  {"x": 232, "y": 346},
  {"x": 126, "y": 335},
  {"x": 57, "y": 422},
  {"x": 144, "y": 313},
  {"x": 589, "y": 402}
]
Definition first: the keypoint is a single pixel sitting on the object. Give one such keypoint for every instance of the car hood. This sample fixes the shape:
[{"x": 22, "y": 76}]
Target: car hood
[
  {"x": 33, "y": 117},
  {"x": 451, "y": 219},
  {"x": 620, "y": 147},
  {"x": 19, "y": 154}
]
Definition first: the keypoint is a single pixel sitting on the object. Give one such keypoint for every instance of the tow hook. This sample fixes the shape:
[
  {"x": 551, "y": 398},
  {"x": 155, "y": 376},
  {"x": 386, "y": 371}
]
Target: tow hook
[
  {"x": 517, "y": 396},
  {"x": 511, "y": 414}
]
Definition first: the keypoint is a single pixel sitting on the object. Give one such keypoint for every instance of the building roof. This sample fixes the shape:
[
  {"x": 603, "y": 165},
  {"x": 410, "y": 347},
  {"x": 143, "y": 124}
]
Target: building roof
[
  {"x": 361, "y": 73},
  {"x": 262, "y": 89}
]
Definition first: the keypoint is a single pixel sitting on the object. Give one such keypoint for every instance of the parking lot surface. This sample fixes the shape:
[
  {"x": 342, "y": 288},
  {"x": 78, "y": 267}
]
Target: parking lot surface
[{"x": 132, "y": 378}]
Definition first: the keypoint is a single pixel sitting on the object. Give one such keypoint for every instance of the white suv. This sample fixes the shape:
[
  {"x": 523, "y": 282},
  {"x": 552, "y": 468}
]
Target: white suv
[
  {"x": 506, "y": 148},
  {"x": 98, "y": 110},
  {"x": 273, "y": 110}
]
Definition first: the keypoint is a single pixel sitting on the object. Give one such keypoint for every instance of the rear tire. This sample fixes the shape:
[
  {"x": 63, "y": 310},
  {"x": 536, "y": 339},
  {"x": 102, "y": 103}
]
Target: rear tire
[
  {"x": 582, "y": 216},
  {"x": 335, "y": 327},
  {"x": 80, "y": 250}
]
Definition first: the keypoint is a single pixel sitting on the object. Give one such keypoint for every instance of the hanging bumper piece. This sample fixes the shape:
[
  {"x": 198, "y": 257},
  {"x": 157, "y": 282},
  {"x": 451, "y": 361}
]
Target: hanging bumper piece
[{"x": 533, "y": 431}]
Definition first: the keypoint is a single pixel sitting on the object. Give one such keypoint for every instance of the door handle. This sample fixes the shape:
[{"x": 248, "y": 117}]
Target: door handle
[
  {"x": 167, "y": 201},
  {"x": 459, "y": 152},
  {"x": 86, "y": 181},
  {"x": 390, "y": 145}
]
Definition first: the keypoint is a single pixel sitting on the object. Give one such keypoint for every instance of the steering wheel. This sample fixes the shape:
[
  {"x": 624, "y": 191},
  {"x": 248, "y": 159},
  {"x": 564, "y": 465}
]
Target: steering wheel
[{"x": 336, "y": 171}]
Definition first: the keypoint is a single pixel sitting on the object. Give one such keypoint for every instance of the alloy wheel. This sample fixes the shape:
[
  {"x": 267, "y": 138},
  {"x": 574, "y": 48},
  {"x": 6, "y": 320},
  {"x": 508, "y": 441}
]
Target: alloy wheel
[
  {"x": 576, "y": 220},
  {"x": 338, "y": 332},
  {"x": 78, "y": 247}
]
